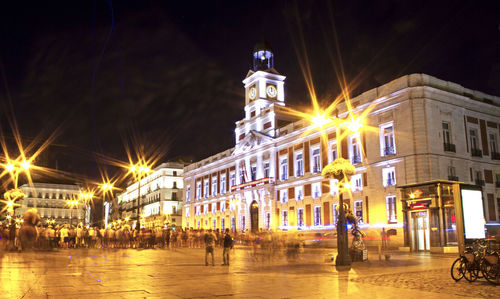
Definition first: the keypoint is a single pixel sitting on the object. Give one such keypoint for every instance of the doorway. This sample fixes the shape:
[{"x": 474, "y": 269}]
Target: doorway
[
  {"x": 254, "y": 216},
  {"x": 419, "y": 227}
]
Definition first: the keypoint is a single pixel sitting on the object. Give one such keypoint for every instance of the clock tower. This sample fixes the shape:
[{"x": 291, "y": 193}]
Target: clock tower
[{"x": 264, "y": 96}]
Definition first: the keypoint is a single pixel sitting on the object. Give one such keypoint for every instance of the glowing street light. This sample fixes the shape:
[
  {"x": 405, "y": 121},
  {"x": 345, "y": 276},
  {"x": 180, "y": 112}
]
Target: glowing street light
[{"x": 139, "y": 171}]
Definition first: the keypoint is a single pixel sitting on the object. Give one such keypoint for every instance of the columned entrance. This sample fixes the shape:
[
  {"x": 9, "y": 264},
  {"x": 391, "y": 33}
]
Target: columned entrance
[{"x": 254, "y": 216}]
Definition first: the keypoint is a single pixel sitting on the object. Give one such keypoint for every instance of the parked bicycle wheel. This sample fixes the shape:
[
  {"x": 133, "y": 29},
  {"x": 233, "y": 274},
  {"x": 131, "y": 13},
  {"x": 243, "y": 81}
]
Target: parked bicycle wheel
[
  {"x": 490, "y": 267},
  {"x": 458, "y": 269}
]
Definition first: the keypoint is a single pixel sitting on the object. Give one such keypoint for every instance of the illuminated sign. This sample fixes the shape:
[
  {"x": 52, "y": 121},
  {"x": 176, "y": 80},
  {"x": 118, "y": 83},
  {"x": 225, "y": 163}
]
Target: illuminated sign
[
  {"x": 252, "y": 183},
  {"x": 472, "y": 207},
  {"x": 418, "y": 206}
]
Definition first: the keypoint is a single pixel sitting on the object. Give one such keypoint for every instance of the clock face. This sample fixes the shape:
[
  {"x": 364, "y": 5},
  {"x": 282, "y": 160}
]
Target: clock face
[
  {"x": 252, "y": 93},
  {"x": 271, "y": 91}
]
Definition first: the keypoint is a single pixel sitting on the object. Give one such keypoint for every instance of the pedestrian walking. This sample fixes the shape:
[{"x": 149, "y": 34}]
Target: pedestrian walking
[
  {"x": 210, "y": 240},
  {"x": 228, "y": 245}
]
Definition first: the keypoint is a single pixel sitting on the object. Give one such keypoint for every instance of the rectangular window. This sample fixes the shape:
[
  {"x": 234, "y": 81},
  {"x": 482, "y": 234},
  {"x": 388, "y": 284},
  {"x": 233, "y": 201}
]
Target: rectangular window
[
  {"x": 316, "y": 190},
  {"x": 214, "y": 208},
  {"x": 284, "y": 218},
  {"x": 452, "y": 174},
  {"x": 198, "y": 190},
  {"x": 474, "y": 144},
  {"x": 299, "y": 193},
  {"x": 316, "y": 161},
  {"x": 446, "y": 132},
  {"x": 358, "y": 210},
  {"x": 317, "y": 215},
  {"x": 187, "y": 212},
  {"x": 214, "y": 224},
  {"x": 223, "y": 224},
  {"x": 188, "y": 193},
  {"x": 283, "y": 195},
  {"x": 222, "y": 184},
  {"x": 355, "y": 149},
  {"x": 198, "y": 210},
  {"x": 268, "y": 221},
  {"x": 233, "y": 224},
  {"x": 266, "y": 169},
  {"x": 242, "y": 175},
  {"x": 389, "y": 176},
  {"x": 205, "y": 192},
  {"x": 214, "y": 186},
  {"x": 334, "y": 187},
  {"x": 300, "y": 217},
  {"x": 493, "y": 144},
  {"x": 387, "y": 147},
  {"x": 299, "y": 165},
  {"x": 205, "y": 209},
  {"x": 232, "y": 181},
  {"x": 390, "y": 203},
  {"x": 333, "y": 152},
  {"x": 356, "y": 183},
  {"x": 284, "y": 169},
  {"x": 243, "y": 224},
  {"x": 223, "y": 206},
  {"x": 253, "y": 171}
]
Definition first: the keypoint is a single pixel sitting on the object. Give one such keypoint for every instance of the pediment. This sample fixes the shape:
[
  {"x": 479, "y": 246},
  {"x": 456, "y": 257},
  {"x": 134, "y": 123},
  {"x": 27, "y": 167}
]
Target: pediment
[{"x": 251, "y": 141}]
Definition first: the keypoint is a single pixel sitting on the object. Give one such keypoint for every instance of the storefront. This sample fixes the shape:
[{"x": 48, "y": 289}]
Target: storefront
[{"x": 430, "y": 222}]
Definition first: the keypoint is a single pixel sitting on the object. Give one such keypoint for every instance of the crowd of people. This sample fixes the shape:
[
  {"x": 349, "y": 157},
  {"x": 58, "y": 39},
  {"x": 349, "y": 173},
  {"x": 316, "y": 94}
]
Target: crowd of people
[{"x": 69, "y": 236}]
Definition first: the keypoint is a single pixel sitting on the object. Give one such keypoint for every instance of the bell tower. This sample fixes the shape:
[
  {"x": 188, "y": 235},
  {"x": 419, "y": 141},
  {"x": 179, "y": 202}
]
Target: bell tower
[{"x": 264, "y": 95}]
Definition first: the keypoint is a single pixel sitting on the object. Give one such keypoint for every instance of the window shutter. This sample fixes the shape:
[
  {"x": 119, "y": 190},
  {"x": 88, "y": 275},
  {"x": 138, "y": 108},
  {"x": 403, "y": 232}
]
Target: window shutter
[
  {"x": 291, "y": 193},
  {"x": 364, "y": 151},
  {"x": 324, "y": 154},
  {"x": 290, "y": 162},
  {"x": 307, "y": 190},
  {"x": 345, "y": 149},
  {"x": 218, "y": 206},
  {"x": 484, "y": 137},
  {"x": 491, "y": 206},
  {"x": 277, "y": 169},
  {"x": 488, "y": 176},
  {"x": 365, "y": 179},
  {"x": 325, "y": 187},
  {"x": 326, "y": 212},
  {"x": 308, "y": 215}
]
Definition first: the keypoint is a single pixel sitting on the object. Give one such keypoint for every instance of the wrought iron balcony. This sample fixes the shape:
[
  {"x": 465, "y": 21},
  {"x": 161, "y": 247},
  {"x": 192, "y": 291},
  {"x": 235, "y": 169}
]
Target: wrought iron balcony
[
  {"x": 452, "y": 178},
  {"x": 479, "y": 182},
  {"x": 495, "y": 156},
  {"x": 476, "y": 152},
  {"x": 356, "y": 159},
  {"x": 389, "y": 150},
  {"x": 449, "y": 147}
]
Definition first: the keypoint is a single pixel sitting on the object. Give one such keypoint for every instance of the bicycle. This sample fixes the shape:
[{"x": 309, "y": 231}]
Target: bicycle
[
  {"x": 468, "y": 265},
  {"x": 490, "y": 267}
]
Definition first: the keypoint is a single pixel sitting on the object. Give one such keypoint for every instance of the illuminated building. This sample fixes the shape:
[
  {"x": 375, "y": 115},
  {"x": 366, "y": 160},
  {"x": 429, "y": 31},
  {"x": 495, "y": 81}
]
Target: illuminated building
[
  {"x": 51, "y": 202},
  {"x": 423, "y": 129},
  {"x": 161, "y": 196}
]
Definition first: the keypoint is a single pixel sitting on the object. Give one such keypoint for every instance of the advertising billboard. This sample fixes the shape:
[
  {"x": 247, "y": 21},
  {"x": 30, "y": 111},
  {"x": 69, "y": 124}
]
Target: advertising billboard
[{"x": 472, "y": 207}]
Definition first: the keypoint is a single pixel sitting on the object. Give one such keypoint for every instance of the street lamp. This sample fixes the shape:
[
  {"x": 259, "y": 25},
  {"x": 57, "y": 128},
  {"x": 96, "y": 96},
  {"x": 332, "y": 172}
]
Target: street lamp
[
  {"x": 342, "y": 170},
  {"x": 106, "y": 187},
  {"x": 72, "y": 203},
  {"x": 139, "y": 171}
]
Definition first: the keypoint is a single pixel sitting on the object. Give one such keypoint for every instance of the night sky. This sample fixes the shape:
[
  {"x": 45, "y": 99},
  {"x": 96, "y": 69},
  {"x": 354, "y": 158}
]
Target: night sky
[{"x": 167, "y": 74}]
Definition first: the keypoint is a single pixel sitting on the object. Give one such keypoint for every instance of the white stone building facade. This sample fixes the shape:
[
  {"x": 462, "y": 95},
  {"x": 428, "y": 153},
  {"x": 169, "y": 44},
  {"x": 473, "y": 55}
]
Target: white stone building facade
[
  {"x": 421, "y": 129},
  {"x": 161, "y": 196},
  {"x": 50, "y": 201}
]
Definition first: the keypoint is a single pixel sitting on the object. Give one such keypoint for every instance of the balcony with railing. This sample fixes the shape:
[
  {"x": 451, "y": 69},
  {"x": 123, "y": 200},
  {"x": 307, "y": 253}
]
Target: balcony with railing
[
  {"x": 495, "y": 156},
  {"x": 452, "y": 178},
  {"x": 449, "y": 147},
  {"x": 479, "y": 182},
  {"x": 389, "y": 150},
  {"x": 476, "y": 152}
]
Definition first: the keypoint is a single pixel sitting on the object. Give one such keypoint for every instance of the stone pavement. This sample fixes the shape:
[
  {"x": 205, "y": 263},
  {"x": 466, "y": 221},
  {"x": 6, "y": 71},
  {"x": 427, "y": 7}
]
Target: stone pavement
[{"x": 181, "y": 273}]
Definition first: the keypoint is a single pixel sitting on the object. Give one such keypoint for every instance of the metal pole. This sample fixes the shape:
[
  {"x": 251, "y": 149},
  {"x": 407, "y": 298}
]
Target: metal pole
[
  {"x": 343, "y": 258},
  {"x": 138, "y": 224}
]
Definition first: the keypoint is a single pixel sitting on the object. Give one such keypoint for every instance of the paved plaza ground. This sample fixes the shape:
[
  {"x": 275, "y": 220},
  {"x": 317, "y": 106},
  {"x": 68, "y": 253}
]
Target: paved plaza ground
[{"x": 181, "y": 273}]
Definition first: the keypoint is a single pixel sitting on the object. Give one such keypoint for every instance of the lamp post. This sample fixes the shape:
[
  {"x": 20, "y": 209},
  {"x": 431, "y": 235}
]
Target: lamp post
[
  {"x": 342, "y": 170},
  {"x": 139, "y": 171},
  {"x": 106, "y": 187}
]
